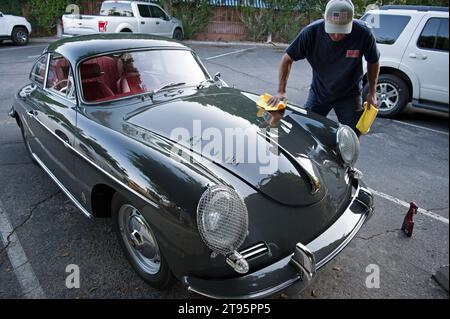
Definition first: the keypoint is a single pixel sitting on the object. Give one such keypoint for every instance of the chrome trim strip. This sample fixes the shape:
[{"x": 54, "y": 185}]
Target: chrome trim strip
[
  {"x": 68, "y": 146},
  {"x": 261, "y": 294},
  {"x": 61, "y": 186},
  {"x": 259, "y": 251},
  {"x": 251, "y": 248}
]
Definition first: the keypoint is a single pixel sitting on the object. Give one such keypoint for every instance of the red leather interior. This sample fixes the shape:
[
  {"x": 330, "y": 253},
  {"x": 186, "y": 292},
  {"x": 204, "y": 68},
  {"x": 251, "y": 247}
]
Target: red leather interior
[
  {"x": 105, "y": 78},
  {"x": 92, "y": 81},
  {"x": 130, "y": 81}
]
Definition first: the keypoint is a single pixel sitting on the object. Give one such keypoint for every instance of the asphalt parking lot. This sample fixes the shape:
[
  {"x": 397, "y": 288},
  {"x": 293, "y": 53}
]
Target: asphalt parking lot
[{"x": 403, "y": 160}]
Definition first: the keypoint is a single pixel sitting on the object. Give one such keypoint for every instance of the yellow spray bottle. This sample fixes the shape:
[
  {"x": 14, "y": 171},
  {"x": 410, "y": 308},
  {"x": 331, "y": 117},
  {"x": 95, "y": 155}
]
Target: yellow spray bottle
[{"x": 367, "y": 118}]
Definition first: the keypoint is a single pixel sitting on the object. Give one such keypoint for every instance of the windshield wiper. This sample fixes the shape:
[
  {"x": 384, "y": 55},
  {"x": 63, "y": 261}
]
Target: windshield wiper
[
  {"x": 202, "y": 83},
  {"x": 168, "y": 85}
]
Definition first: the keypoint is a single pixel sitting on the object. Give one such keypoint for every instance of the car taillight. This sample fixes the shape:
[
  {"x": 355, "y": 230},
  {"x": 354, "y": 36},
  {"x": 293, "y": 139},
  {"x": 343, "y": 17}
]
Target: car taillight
[{"x": 102, "y": 26}]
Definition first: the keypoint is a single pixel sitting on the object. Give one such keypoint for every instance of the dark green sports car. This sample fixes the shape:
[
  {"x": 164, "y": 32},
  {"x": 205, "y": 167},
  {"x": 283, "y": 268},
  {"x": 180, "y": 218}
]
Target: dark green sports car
[{"x": 202, "y": 186}]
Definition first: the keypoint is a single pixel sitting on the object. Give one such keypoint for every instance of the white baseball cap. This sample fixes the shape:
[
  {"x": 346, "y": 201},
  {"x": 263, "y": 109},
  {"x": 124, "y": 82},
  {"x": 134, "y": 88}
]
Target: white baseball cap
[{"x": 339, "y": 16}]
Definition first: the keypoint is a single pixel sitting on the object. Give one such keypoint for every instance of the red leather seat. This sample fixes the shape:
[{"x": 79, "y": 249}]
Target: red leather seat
[
  {"x": 93, "y": 86},
  {"x": 130, "y": 81}
]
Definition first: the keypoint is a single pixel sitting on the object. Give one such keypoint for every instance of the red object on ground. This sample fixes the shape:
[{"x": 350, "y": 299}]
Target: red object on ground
[{"x": 408, "y": 223}]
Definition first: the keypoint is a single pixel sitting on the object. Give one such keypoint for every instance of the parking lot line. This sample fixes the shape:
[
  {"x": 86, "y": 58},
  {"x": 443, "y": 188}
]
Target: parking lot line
[
  {"x": 229, "y": 53},
  {"x": 407, "y": 205},
  {"x": 31, "y": 288},
  {"x": 421, "y": 127}
]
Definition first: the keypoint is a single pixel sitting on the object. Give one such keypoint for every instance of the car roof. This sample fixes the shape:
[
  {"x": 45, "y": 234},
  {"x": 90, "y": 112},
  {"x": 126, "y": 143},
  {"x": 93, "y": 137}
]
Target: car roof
[
  {"x": 411, "y": 10},
  {"x": 80, "y": 47}
]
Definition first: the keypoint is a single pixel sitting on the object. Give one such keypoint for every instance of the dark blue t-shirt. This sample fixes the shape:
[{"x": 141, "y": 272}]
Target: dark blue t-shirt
[{"x": 337, "y": 66}]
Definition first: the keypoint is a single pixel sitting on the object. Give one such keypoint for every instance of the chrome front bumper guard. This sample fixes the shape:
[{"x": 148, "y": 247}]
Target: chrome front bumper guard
[{"x": 298, "y": 269}]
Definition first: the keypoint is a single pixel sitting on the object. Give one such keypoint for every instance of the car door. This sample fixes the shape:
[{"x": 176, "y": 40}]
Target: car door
[
  {"x": 146, "y": 23},
  {"x": 427, "y": 54},
  {"x": 53, "y": 115},
  {"x": 3, "y": 23},
  {"x": 163, "y": 25}
]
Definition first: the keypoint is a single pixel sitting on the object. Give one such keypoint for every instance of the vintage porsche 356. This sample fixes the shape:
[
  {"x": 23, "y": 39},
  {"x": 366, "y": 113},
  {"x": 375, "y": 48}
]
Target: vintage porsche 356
[{"x": 99, "y": 116}]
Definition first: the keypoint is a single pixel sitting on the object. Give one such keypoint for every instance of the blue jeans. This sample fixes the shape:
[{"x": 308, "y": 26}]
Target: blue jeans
[{"x": 348, "y": 109}]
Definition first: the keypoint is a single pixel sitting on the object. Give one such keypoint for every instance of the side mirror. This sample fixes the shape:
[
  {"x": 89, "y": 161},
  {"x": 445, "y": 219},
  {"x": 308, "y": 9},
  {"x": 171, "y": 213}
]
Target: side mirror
[
  {"x": 1, "y": 14},
  {"x": 167, "y": 17},
  {"x": 217, "y": 77}
]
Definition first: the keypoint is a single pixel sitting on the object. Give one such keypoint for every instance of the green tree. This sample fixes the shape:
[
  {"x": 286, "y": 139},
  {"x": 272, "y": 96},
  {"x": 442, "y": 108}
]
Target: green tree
[{"x": 46, "y": 14}]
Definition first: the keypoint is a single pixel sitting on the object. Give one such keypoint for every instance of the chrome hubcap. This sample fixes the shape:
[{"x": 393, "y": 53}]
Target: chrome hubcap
[
  {"x": 139, "y": 239},
  {"x": 21, "y": 36},
  {"x": 388, "y": 96}
]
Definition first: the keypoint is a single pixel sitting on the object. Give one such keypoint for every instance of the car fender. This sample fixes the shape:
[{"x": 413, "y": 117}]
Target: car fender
[
  {"x": 125, "y": 25},
  {"x": 413, "y": 78}
]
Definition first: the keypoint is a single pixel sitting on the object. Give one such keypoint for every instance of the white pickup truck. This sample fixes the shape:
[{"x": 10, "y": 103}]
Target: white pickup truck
[
  {"x": 124, "y": 16},
  {"x": 14, "y": 28}
]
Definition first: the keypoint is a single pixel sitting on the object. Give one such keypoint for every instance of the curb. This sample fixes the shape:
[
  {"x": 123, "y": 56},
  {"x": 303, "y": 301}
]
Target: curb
[{"x": 441, "y": 277}]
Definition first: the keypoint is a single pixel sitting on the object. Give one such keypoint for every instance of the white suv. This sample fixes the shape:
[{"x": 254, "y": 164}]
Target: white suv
[
  {"x": 414, "y": 46},
  {"x": 14, "y": 28}
]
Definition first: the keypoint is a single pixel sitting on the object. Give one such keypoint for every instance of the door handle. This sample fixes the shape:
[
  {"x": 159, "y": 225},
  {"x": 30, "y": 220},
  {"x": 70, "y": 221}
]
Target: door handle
[
  {"x": 418, "y": 56},
  {"x": 32, "y": 113},
  {"x": 157, "y": 22},
  {"x": 142, "y": 22}
]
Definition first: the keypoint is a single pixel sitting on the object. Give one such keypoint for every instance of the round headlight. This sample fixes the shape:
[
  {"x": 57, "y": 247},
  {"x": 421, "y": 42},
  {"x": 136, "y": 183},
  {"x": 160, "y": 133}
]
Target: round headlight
[
  {"x": 348, "y": 144},
  {"x": 222, "y": 219}
]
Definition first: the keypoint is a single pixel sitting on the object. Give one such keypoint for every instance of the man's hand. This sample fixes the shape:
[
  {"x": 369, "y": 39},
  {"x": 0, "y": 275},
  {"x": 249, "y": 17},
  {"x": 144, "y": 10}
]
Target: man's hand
[
  {"x": 274, "y": 100},
  {"x": 372, "y": 100}
]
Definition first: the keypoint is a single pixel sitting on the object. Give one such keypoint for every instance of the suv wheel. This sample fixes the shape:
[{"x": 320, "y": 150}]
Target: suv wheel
[
  {"x": 20, "y": 36},
  {"x": 392, "y": 95},
  {"x": 178, "y": 35}
]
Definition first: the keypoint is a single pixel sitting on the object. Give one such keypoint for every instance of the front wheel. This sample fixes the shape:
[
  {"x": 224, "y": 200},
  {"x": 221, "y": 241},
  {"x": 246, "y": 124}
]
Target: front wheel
[
  {"x": 392, "y": 95},
  {"x": 178, "y": 35},
  {"x": 139, "y": 243},
  {"x": 20, "y": 36}
]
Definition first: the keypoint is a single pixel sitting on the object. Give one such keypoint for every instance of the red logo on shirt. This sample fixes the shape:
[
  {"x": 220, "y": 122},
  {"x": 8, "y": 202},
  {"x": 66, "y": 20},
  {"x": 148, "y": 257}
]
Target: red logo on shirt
[{"x": 353, "y": 53}]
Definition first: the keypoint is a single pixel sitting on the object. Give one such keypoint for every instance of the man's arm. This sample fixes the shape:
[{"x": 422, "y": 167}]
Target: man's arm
[
  {"x": 373, "y": 70},
  {"x": 285, "y": 70}
]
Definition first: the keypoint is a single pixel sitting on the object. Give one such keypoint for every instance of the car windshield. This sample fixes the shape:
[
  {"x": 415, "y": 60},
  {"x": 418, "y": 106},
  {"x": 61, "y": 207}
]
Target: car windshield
[{"x": 114, "y": 76}]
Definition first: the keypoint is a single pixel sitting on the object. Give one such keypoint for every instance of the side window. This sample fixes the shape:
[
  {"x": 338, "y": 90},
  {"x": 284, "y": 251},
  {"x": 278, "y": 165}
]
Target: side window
[
  {"x": 157, "y": 12},
  {"x": 37, "y": 74},
  {"x": 144, "y": 11},
  {"x": 434, "y": 35},
  {"x": 442, "y": 40},
  {"x": 386, "y": 28},
  {"x": 59, "y": 79}
]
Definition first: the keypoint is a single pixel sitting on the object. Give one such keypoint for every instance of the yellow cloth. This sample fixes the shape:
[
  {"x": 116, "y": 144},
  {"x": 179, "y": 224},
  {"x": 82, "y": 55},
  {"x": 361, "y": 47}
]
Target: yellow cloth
[{"x": 262, "y": 103}]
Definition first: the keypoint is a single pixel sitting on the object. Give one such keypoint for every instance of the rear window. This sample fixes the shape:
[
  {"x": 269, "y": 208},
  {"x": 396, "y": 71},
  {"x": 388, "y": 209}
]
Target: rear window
[
  {"x": 116, "y": 9},
  {"x": 386, "y": 28},
  {"x": 434, "y": 35},
  {"x": 120, "y": 75}
]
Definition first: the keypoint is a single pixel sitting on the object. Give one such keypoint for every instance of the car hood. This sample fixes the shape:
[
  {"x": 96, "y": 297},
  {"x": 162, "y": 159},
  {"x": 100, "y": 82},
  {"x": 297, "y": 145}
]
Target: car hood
[{"x": 288, "y": 156}]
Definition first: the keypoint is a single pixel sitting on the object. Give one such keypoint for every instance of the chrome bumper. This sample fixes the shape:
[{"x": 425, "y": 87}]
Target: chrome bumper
[{"x": 300, "y": 267}]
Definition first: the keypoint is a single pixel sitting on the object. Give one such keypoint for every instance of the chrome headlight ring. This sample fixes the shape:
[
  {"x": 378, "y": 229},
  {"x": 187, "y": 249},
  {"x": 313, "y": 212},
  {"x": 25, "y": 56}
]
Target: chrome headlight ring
[
  {"x": 222, "y": 219},
  {"x": 348, "y": 145}
]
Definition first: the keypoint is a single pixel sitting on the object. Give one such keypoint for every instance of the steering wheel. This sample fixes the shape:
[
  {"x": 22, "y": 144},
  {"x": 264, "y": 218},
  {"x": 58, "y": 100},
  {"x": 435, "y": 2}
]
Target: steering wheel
[{"x": 61, "y": 83}]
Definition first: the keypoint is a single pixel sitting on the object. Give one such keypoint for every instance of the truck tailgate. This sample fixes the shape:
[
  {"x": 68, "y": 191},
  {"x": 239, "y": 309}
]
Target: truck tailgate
[{"x": 79, "y": 25}]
